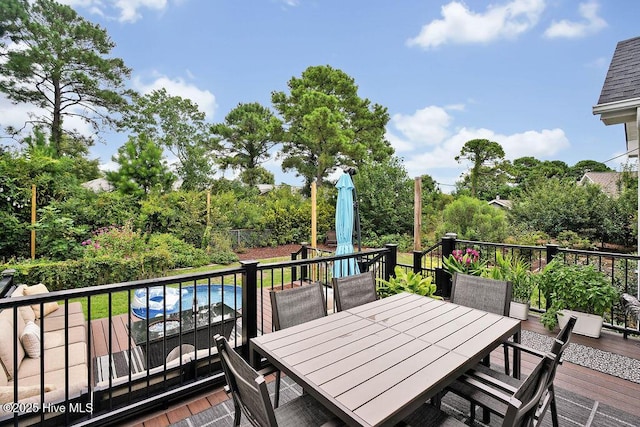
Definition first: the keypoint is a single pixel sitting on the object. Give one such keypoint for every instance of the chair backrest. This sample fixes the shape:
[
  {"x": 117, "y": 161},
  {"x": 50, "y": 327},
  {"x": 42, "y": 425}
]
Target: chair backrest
[
  {"x": 523, "y": 405},
  {"x": 564, "y": 336},
  {"x": 248, "y": 388},
  {"x": 560, "y": 344},
  {"x": 485, "y": 294},
  {"x": 355, "y": 290},
  {"x": 294, "y": 306}
]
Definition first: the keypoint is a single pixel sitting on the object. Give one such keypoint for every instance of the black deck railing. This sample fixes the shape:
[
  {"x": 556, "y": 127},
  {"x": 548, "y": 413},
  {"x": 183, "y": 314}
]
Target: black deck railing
[
  {"x": 161, "y": 382},
  {"x": 622, "y": 270},
  {"x": 127, "y": 392}
]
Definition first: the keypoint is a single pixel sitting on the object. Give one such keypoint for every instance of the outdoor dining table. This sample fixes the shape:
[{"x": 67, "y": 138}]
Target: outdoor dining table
[{"x": 375, "y": 364}]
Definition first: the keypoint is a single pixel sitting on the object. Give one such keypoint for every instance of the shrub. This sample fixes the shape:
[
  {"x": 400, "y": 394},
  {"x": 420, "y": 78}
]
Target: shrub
[
  {"x": 407, "y": 281},
  {"x": 60, "y": 275},
  {"x": 116, "y": 241},
  {"x": 182, "y": 253}
]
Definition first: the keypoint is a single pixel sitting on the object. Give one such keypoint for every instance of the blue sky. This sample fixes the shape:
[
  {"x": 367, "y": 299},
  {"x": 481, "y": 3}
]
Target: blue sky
[{"x": 523, "y": 73}]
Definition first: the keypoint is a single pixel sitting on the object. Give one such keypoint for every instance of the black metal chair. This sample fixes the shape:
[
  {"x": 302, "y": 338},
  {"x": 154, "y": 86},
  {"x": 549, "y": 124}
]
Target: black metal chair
[
  {"x": 520, "y": 406},
  {"x": 492, "y": 380},
  {"x": 292, "y": 307},
  {"x": 355, "y": 290},
  {"x": 493, "y": 296},
  {"x": 248, "y": 389}
]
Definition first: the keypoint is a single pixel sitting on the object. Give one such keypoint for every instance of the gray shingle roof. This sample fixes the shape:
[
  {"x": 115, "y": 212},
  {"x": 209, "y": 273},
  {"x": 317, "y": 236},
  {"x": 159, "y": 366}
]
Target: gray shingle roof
[
  {"x": 608, "y": 181},
  {"x": 623, "y": 78}
]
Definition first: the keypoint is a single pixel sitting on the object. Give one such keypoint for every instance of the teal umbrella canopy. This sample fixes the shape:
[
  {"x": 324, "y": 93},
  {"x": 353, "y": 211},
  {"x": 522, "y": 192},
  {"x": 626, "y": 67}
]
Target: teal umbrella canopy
[{"x": 344, "y": 227}]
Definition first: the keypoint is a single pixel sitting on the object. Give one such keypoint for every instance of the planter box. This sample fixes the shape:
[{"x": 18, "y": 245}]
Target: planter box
[
  {"x": 519, "y": 310},
  {"x": 588, "y": 325}
]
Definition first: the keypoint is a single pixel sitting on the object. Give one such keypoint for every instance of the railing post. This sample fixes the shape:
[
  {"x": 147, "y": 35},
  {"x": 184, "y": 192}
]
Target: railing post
[
  {"x": 552, "y": 251},
  {"x": 448, "y": 244},
  {"x": 294, "y": 270},
  {"x": 417, "y": 262},
  {"x": 443, "y": 277},
  {"x": 249, "y": 305},
  {"x": 304, "y": 268},
  {"x": 391, "y": 260}
]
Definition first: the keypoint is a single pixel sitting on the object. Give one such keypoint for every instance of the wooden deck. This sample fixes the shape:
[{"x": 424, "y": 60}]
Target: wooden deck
[{"x": 606, "y": 389}]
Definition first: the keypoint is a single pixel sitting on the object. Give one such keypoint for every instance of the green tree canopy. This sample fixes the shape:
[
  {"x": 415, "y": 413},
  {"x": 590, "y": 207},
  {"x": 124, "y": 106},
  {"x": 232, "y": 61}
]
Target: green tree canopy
[
  {"x": 249, "y": 132},
  {"x": 385, "y": 197},
  {"x": 327, "y": 124},
  {"x": 474, "y": 219},
  {"x": 178, "y": 125},
  {"x": 57, "y": 61},
  {"x": 142, "y": 168},
  {"x": 480, "y": 152},
  {"x": 557, "y": 205},
  {"x": 583, "y": 166}
]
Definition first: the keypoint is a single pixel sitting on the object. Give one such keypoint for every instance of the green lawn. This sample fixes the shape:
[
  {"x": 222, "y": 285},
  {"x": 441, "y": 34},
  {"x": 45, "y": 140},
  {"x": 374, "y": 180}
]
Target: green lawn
[{"x": 120, "y": 302}]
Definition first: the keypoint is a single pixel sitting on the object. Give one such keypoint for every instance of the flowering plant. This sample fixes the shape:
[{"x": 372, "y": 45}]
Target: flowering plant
[{"x": 465, "y": 261}]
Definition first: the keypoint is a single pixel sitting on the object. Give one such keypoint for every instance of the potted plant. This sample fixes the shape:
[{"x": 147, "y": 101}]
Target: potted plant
[
  {"x": 407, "y": 281},
  {"x": 515, "y": 270},
  {"x": 579, "y": 290}
]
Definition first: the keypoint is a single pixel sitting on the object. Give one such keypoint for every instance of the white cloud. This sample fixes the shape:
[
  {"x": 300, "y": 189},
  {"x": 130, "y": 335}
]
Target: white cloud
[
  {"x": 591, "y": 24},
  {"x": 127, "y": 10},
  {"x": 462, "y": 26},
  {"x": 205, "y": 100},
  {"x": 18, "y": 116},
  {"x": 428, "y": 126},
  {"x": 415, "y": 141}
]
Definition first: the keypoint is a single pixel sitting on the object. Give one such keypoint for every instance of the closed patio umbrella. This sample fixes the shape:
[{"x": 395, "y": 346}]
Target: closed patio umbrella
[{"x": 344, "y": 227}]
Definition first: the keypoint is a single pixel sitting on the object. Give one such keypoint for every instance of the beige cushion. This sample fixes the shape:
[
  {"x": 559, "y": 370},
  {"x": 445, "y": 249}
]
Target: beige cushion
[
  {"x": 49, "y": 307},
  {"x": 26, "y": 311},
  {"x": 56, "y": 323},
  {"x": 6, "y": 392},
  {"x": 54, "y": 359},
  {"x": 56, "y": 338},
  {"x": 77, "y": 380},
  {"x": 10, "y": 336},
  {"x": 30, "y": 340},
  {"x": 3, "y": 375},
  {"x": 74, "y": 307}
]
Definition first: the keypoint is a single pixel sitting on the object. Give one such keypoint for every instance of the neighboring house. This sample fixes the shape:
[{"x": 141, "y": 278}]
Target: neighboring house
[
  {"x": 609, "y": 182},
  {"x": 98, "y": 185},
  {"x": 619, "y": 101},
  {"x": 501, "y": 203}
]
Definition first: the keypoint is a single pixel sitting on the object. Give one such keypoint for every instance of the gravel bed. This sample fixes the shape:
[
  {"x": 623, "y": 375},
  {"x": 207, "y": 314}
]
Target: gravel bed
[{"x": 603, "y": 361}]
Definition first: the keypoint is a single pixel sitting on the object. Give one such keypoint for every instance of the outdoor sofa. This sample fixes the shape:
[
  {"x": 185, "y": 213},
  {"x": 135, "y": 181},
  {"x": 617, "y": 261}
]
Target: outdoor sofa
[{"x": 59, "y": 344}]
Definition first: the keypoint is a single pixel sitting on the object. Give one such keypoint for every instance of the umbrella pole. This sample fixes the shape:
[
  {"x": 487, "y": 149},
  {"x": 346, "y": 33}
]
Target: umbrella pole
[{"x": 357, "y": 217}]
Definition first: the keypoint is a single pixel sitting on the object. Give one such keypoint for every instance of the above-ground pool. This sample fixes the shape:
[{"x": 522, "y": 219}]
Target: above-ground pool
[{"x": 165, "y": 301}]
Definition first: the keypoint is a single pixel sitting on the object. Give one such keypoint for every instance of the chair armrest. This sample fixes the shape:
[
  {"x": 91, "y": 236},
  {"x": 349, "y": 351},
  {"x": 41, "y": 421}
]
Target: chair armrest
[
  {"x": 525, "y": 348},
  {"x": 268, "y": 370}
]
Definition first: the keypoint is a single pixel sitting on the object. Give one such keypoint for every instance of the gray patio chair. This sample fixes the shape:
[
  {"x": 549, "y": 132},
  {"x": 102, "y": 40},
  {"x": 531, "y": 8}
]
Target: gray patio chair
[
  {"x": 248, "y": 390},
  {"x": 520, "y": 406},
  {"x": 493, "y": 296},
  {"x": 352, "y": 291},
  {"x": 494, "y": 379},
  {"x": 292, "y": 307}
]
